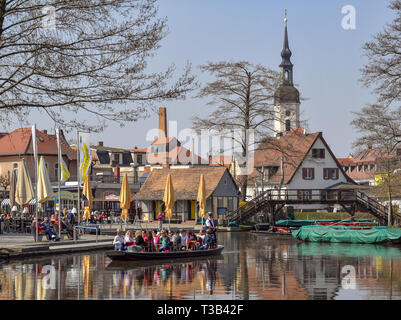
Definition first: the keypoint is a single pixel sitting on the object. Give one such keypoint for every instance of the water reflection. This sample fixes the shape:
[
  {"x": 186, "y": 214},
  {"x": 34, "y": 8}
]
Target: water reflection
[{"x": 251, "y": 267}]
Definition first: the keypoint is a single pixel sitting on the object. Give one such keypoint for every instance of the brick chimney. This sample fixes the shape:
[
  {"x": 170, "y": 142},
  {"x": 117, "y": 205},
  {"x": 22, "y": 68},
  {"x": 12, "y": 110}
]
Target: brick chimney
[
  {"x": 45, "y": 131},
  {"x": 163, "y": 133},
  {"x": 162, "y": 123}
]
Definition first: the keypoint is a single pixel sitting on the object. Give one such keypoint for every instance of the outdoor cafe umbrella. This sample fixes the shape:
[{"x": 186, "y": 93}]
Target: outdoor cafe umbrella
[
  {"x": 45, "y": 190},
  {"x": 125, "y": 198},
  {"x": 202, "y": 198},
  {"x": 24, "y": 190},
  {"x": 12, "y": 189},
  {"x": 169, "y": 198},
  {"x": 87, "y": 195}
]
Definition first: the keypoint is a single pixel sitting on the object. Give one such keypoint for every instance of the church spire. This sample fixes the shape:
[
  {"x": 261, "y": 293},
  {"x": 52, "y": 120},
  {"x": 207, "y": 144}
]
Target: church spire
[{"x": 286, "y": 65}]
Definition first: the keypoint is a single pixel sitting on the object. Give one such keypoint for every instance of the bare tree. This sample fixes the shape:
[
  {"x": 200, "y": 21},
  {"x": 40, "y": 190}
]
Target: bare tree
[
  {"x": 242, "y": 97},
  {"x": 80, "y": 58},
  {"x": 379, "y": 124},
  {"x": 383, "y": 71},
  {"x": 388, "y": 180}
]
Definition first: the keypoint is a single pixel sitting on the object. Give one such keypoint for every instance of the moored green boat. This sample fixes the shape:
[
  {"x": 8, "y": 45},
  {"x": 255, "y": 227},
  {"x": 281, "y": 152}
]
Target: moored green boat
[{"x": 345, "y": 234}]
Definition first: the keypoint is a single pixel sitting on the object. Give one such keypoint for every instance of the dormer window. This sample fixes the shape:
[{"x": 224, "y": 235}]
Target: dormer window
[{"x": 318, "y": 153}]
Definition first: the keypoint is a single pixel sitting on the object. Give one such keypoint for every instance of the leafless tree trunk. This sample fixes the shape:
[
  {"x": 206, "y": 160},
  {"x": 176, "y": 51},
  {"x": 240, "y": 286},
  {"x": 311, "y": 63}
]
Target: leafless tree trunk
[
  {"x": 242, "y": 98},
  {"x": 90, "y": 60}
]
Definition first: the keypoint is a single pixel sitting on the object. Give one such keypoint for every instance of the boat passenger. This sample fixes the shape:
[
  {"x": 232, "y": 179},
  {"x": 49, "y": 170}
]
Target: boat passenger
[
  {"x": 144, "y": 236},
  {"x": 176, "y": 240},
  {"x": 165, "y": 241},
  {"x": 184, "y": 240},
  {"x": 139, "y": 243},
  {"x": 191, "y": 241},
  {"x": 208, "y": 241},
  {"x": 128, "y": 239},
  {"x": 200, "y": 236},
  {"x": 156, "y": 240},
  {"x": 149, "y": 243},
  {"x": 119, "y": 240}
]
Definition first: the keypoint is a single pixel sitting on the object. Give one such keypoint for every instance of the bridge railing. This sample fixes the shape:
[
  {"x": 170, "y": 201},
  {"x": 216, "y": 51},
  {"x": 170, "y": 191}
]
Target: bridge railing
[{"x": 305, "y": 195}]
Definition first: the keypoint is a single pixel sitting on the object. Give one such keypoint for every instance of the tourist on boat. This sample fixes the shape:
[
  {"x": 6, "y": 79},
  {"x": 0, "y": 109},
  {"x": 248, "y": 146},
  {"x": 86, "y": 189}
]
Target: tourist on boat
[
  {"x": 49, "y": 231},
  {"x": 160, "y": 218},
  {"x": 149, "y": 245},
  {"x": 139, "y": 243},
  {"x": 192, "y": 241},
  {"x": 201, "y": 236},
  {"x": 210, "y": 225},
  {"x": 176, "y": 240},
  {"x": 184, "y": 240},
  {"x": 128, "y": 239},
  {"x": 165, "y": 239},
  {"x": 119, "y": 240},
  {"x": 208, "y": 241},
  {"x": 156, "y": 239}
]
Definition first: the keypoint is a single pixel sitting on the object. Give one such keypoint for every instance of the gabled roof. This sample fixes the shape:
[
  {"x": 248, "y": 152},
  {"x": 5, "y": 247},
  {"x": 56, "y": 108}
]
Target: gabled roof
[
  {"x": 185, "y": 182},
  {"x": 19, "y": 142},
  {"x": 293, "y": 147}
]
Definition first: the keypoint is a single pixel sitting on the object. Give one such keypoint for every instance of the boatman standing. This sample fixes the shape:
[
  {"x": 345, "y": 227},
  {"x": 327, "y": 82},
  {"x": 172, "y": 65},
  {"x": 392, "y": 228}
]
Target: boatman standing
[{"x": 210, "y": 225}]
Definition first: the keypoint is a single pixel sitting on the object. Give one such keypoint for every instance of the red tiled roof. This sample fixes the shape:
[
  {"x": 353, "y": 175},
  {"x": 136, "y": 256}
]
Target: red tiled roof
[
  {"x": 20, "y": 142},
  {"x": 293, "y": 147}
]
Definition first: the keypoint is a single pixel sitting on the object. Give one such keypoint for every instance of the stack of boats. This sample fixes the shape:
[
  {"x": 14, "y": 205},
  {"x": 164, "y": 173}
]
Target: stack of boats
[{"x": 337, "y": 231}]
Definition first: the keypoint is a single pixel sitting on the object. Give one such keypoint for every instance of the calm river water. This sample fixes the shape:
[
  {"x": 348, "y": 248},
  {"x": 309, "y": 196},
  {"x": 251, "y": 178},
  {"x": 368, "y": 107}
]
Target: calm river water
[{"x": 251, "y": 267}]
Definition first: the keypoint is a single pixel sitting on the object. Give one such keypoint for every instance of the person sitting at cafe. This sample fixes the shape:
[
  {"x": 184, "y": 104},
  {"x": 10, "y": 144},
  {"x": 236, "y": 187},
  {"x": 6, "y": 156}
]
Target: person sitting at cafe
[
  {"x": 49, "y": 231},
  {"x": 208, "y": 241},
  {"x": 66, "y": 225},
  {"x": 118, "y": 241}
]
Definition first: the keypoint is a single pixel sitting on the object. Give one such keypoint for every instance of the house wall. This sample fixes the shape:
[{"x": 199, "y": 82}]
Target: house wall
[
  {"x": 318, "y": 182},
  {"x": 6, "y": 164},
  {"x": 297, "y": 182}
]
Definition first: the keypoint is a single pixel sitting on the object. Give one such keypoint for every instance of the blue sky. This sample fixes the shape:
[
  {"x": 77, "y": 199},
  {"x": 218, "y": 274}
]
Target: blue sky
[{"x": 327, "y": 59}]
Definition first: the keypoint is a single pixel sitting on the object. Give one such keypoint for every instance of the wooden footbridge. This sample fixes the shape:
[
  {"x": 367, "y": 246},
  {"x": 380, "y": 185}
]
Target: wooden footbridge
[{"x": 273, "y": 200}]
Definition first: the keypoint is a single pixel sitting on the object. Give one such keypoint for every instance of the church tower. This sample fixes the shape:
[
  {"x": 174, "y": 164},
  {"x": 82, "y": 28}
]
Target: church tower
[{"x": 286, "y": 97}]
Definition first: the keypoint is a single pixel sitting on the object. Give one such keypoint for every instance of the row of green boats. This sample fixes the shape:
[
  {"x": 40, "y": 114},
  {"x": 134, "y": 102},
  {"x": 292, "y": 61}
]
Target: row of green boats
[
  {"x": 348, "y": 234},
  {"x": 340, "y": 231}
]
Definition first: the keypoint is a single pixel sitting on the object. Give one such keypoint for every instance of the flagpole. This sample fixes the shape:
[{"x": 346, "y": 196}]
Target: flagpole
[
  {"x": 35, "y": 159},
  {"x": 78, "y": 177},
  {"x": 59, "y": 178}
]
